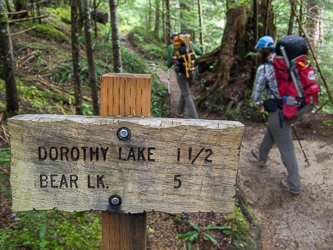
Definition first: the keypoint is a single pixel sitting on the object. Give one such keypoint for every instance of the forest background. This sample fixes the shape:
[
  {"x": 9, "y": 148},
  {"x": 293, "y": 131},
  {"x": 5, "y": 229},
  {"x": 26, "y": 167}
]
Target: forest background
[{"x": 53, "y": 54}]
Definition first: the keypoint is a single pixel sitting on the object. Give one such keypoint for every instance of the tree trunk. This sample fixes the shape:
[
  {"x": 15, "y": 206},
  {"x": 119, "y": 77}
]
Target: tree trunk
[
  {"x": 38, "y": 12},
  {"x": 80, "y": 23},
  {"x": 182, "y": 9},
  {"x": 8, "y": 6},
  {"x": 157, "y": 17},
  {"x": 206, "y": 60},
  {"x": 90, "y": 56},
  {"x": 76, "y": 59},
  {"x": 255, "y": 22},
  {"x": 234, "y": 30},
  {"x": 167, "y": 23},
  {"x": 6, "y": 54},
  {"x": 267, "y": 19},
  {"x": 95, "y": 18},
  {"x": 291, "y": 18},
  {"x": 117, "y": 67},
  {"x": 163, "y": 21},
  {"x": 300, "y": 33},
  {"x": 312, "y": 25},
  {"x": 20, "y": 5},
  {"x": 149, "y": 16},
  {"x": 201, "y": 26},
  {"x": 32, "y": 9}
]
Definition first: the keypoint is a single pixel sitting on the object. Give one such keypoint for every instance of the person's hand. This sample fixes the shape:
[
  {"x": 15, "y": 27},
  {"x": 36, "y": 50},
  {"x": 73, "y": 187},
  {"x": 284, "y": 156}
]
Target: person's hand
[{"x": 261, "y": 107}]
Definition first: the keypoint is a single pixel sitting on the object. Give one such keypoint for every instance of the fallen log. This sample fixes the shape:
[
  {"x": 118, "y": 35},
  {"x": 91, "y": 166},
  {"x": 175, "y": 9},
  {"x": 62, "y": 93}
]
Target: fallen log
[{"x": 101, "y": 17}]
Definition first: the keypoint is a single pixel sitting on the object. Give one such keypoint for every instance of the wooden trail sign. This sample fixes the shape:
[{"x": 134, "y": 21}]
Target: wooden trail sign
[{"x": 79, "y": 163}]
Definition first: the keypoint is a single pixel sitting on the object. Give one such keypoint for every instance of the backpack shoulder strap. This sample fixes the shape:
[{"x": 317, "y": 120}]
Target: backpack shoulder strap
[{"x": 267, "y": 85}]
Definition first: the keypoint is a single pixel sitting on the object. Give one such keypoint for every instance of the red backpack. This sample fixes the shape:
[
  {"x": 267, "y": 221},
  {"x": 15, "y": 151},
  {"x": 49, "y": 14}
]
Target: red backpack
[{"x": 295, "y": 79}]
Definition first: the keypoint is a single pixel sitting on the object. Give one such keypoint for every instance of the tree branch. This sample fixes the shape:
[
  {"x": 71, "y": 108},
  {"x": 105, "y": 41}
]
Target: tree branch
[
  {"x": 17, "y": 12},
  {"x": 23, "y": 31},
  {"x": 27, "y": 19}
]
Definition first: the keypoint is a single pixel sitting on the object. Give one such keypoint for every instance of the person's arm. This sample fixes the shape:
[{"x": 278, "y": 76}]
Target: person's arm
[
  {"x": 168, "y": 62},
  {"x": 196, "y": 49},
  {"x": 259, "y": 86}
]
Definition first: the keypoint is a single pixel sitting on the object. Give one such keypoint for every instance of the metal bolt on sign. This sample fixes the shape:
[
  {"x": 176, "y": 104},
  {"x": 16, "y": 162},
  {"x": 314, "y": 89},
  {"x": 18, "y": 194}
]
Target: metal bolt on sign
[
  {"x": 115, "y": 200},
  {"x": 124, "y": 134}
]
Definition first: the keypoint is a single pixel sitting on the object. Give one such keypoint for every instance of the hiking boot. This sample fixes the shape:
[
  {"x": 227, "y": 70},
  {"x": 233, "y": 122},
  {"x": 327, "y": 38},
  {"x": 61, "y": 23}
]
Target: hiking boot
[
  {"x": 181, "y": 115},
  {"x": 256, "y": 155},
  {"x": 284, "y": 183}
]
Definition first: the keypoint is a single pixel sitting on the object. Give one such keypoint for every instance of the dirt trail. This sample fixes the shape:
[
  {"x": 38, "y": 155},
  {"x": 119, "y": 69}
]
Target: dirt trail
[
  {"x": 287, "y": 222},
  {"x": 302, "y": 222}
]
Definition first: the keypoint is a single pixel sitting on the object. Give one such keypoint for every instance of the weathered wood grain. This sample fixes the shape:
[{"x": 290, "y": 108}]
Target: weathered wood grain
[{"x": 145, "y": 174}]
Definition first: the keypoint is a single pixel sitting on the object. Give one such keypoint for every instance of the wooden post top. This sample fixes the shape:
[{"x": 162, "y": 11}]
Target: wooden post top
[{"x": 125, "y": 165}]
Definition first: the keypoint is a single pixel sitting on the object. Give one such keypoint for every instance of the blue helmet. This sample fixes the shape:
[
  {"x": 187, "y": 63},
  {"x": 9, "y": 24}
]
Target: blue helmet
[{"x": 265, "y": 42}]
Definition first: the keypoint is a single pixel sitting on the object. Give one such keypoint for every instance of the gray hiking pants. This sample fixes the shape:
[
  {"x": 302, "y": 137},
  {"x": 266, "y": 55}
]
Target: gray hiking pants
[
  {"x": 284, "y": 141},
  {"x": 186, "y": 99}
]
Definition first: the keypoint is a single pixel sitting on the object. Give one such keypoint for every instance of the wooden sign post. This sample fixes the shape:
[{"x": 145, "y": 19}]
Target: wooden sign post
[
  {"x": 125, "y": 95},
  {"x": 123, "y": 165}
]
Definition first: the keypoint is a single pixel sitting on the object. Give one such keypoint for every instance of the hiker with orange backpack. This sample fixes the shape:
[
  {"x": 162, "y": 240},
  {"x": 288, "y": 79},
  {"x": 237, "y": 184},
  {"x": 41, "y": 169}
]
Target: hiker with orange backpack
[
  {"x": 182, "y": 55},
  {"x": 279, "y": 130}
]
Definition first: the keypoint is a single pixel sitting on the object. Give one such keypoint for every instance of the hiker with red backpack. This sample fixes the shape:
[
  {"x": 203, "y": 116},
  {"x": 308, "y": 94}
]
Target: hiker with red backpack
[
  {"x": 182, "y": 55},
  {"x": 278, "y": 130}
]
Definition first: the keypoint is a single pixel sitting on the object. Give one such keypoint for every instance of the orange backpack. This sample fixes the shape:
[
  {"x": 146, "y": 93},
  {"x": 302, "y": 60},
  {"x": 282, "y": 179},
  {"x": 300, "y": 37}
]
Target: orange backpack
[{"x": 187, "y": 61}]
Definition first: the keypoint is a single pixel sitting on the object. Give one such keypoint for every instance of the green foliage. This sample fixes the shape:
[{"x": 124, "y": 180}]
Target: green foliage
[
  {"x": 61, "y": 13},
  {"x": 191, "y": 236},
  {"x": 134, "y": 64},
  {"x": 47, "y": 31},
  {"x": 240, "y": 228},
  {"x": 87, "y": 109},
  {"x": 4, "y": 179},
  {"x": 36, "y": 97},
  {"x": 11, "y": 113},
  {"x": 33, "y": 46},
  {"x": 4, "y": 155},
  {"x": 327, "y": 126},
  {"x": 52, "y": 230},
  {"x": 154, "y": 48},
  {"x": 64, "y": 71},
  {"x": 158, "y": 96},
  {"x": 326, "y": 60},
  {"x": 152, "y": 230},
  {"x": 39, "y": 98}
]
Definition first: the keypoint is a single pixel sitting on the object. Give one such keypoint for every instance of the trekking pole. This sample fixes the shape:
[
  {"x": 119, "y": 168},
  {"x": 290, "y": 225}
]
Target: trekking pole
[
  {"x": 306, "y": 159},
  {"x": 169, "y": 86}
]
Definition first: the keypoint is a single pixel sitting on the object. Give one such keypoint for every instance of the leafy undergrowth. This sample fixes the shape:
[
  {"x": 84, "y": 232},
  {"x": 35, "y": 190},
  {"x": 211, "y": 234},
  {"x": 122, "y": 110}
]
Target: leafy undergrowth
[
  {"x": 151, "y": 46},
  {"x": 43, "y": 229},
  {"x": 239, "y": 230},
  {"x": 44, "y": 67},
  {"x": 52, "y": 230}
]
